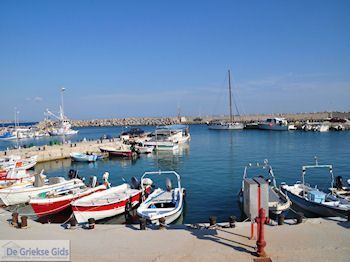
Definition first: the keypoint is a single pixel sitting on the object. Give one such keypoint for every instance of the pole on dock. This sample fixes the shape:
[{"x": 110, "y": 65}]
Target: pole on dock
[
  {"x": 24, "y": 221},
  {"x": 232, "y": 221},
  {"x": 162, "y": 224},
  {"x": 212, "y": 221},
  {"x": 91, "y": 222},
  {"x": 261, "y": 243},
  {"x": 142, "y": 224}
]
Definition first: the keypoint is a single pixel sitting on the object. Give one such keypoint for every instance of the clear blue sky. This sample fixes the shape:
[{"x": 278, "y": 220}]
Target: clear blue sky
[{"x": 147, "y": 58}]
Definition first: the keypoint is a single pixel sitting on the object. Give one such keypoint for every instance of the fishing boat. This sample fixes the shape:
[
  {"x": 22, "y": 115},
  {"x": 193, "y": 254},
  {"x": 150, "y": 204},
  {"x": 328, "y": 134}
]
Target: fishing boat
[
  {"x": 274, "y": 124},
  {"x": 119, "y": 150},
  {"x": 8, "y": 136},
  {"x": 232, "y": 125},
  {"x": 339, "y": 189},
  {"x": 14, "y": 177},
  {"x": 18, "y": 195},
  {"x": 142, "y": 149},
  {"x": 17, "y": 162},
  {"x": 80, "y": 157},
  {"x": 107, "y": 203},
  {"x": 167, "y": 204},
  {"x": 278, "y": 201},
  {"x": 55, "y": 201},
  {"x": 313, "y": 199},
  {"x": 63, "y": 125}
]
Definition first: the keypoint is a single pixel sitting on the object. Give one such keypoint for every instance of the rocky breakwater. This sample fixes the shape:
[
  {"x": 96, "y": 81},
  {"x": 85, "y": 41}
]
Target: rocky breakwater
[{"x": 126, "y": 122}]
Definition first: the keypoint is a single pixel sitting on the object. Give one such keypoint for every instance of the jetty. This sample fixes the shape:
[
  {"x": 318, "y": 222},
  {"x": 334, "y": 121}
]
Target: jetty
[
  {"x": 59, "y": 151},
  {"x": 319, "y": 239}
]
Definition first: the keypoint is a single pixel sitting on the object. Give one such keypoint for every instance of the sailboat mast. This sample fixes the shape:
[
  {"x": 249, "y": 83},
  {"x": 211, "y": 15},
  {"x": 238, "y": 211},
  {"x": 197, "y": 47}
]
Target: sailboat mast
[
  {"x": 62, "y": 110},
  {"x": 230, "y": 96}
]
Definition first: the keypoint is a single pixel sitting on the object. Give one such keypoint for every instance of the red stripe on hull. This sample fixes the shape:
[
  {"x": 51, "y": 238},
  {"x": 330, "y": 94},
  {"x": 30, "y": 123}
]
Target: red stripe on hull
[{"x": 135, "y": 198}]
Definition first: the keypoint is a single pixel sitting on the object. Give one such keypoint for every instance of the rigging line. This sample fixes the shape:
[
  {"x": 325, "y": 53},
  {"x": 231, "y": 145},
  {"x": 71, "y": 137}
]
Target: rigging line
[{"x": 222, "y": 88}]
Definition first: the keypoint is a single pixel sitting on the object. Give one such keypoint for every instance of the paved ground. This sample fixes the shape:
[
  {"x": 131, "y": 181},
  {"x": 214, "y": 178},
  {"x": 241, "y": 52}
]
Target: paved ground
[{"x": 313, "y": 240}]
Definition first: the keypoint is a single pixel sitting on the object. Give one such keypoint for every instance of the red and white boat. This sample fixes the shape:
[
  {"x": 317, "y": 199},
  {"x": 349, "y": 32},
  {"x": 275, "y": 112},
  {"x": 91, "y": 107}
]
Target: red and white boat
[
  {"x": 120, "y": 150},
  {"x": 107, "y": 203},
  {"x": 55, "y": 202}
]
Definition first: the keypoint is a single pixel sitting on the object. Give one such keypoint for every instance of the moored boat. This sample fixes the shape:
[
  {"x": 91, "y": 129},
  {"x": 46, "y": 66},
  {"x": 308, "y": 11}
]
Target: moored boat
[
  {"x": 107, "y": 203},
  {"x": 18, "y": 195},
  {"x": 167, "y": 204},
  {"x": 278, "y": 201},
  {"x": 274, "y": 124},
  {"x": 119, "y": 150},
  {"x": 57, "y": 200},
  {"x": 80, "y": 157},
  {"x": 314, "y": 200}
]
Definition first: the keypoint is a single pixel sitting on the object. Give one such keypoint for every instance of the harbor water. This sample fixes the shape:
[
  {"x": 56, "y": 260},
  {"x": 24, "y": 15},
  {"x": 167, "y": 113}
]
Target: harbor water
[{"x": 212, "y": 165}]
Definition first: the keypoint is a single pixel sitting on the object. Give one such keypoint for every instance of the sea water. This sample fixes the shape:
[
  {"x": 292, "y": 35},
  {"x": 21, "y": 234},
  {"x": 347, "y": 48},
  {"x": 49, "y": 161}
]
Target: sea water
[{"x": 212, "y": 165}]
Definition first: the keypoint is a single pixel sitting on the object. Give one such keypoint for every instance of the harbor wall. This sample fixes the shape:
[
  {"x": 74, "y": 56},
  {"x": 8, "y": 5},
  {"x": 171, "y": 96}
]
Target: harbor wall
[{"x": 57, "y": 152}]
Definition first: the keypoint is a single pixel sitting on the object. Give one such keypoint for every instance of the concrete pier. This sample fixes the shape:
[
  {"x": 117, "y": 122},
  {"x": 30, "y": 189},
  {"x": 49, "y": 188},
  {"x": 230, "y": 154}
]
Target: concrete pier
[
  {"x": 313, "y": 240},
  {"x": 57, "y": 152}
]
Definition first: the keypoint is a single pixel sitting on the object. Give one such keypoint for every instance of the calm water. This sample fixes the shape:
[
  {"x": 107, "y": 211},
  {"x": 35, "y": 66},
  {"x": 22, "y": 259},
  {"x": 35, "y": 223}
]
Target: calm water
[{"x": 212, "y": 165}]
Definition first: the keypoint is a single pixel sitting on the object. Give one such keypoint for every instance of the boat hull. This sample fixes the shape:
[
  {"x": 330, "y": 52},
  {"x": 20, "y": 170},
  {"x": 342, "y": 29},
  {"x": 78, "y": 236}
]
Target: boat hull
[
  {"x": 315, "y": 208},
  {"x": 234, "y": 126},
  {"x": 272, "y": 127},
  {"x": 49, "y": 206},
  {"x": 83, "y": 213}
]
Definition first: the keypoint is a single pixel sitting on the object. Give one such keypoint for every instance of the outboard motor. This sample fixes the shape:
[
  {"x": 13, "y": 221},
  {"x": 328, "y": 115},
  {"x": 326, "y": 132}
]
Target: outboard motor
[
  {"x": 93, "y": 181},
  {"x": 105, "y": 179},
  {"x": 339, "y": 182},
  {"x": 135, "y": 183},
  {"x": 72, "y": 174},
  {"x": 168, "y": 184}
]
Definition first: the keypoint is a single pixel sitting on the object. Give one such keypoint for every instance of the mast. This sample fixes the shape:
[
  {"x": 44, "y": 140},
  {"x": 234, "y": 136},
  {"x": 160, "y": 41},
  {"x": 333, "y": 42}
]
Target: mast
[
  {"x": 230, "y": 98},
  {"x": 61, "y": 109}
]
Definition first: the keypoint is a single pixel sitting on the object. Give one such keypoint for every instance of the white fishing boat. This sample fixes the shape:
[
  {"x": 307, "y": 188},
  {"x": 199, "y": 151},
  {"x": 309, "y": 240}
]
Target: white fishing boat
[
  {"x": 314, "y": 200},
  {"x": 63, "y": 125},
  {"x": 274, "y": 124},
  {"x": 167, "y": 204},
  {"x": 14, "y": 177},
  {"x": 18, "y": 195},
  {"x": 278, "y": 201},
  {"x": 104, "y": 204},
  {"x": 80, "y": 157},
  {"x": 15, "y": 161},
  {"x": 142, "y": 149},
  {"x": 232, "y": 125}
]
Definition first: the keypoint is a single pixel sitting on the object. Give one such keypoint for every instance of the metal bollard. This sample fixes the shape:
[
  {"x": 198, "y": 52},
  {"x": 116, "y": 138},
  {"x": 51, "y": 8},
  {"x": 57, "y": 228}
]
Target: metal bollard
[
  {"x": 261, "y": 243},
  {"x": 142, "y": 224},
  {"x": 24, "y": 221},
  {"x": 280, "y": 219},
  {"x": 300, "y": 216},
  {"x": 162, "y": 223},
  {"x": 91, "y": 222},
  {"x": 73, "y": 223},
  {"x": 14, "y": 221},
  {"x": 212, "y": 221},
  {"x": 232, "y": 221}
]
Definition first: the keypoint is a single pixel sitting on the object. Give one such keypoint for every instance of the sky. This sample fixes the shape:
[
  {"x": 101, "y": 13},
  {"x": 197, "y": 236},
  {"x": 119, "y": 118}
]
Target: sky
[{"x": 119, "y": 59}]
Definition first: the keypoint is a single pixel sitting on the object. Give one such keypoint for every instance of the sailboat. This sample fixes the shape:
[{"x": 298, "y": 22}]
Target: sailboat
[
  {"x": 221, "y": 125},
  {"x": 64, "y": 125}
]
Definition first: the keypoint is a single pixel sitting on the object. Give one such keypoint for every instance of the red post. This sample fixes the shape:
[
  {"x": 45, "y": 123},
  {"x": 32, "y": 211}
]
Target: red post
[{"x": 261, "y": 243}]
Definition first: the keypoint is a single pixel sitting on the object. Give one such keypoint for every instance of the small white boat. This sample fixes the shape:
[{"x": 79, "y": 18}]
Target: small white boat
[
  {"x": 18, "y": 163},
  {"x": 22, "y": 194},
  {"x": 104, "y": 204},
  {"x": 141, "y": 149},
  {"x": 278, "y": 201},
  {"x": 80, "y": 157},
  {"x": 167, "y": 204},
  {"x": 274, "y": 124}
]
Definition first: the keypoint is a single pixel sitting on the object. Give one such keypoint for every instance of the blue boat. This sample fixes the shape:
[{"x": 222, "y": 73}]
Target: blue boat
[
  {"x": 8, "y": 136},
  {"x": 79, "y": 157},
  {"x": 275, "y": 124},
  {"x": 314, "y": 200}
]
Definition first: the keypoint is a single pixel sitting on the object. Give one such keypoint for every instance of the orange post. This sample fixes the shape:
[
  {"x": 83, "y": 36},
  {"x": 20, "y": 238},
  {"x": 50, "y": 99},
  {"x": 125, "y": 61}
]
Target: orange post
[{"x": 261, "y": 243}]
